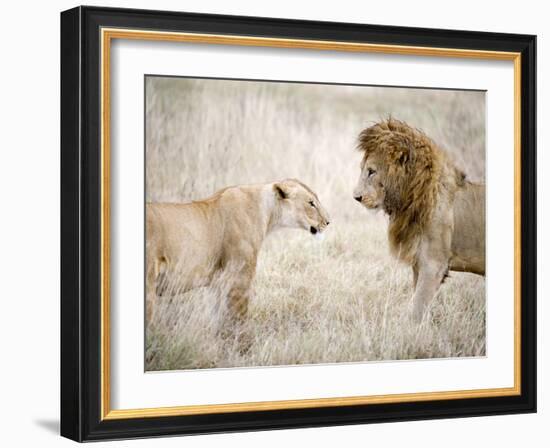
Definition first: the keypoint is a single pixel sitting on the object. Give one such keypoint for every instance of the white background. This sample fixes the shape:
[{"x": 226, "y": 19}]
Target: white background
[
  {"x": 132, "y": 388},
  {"x": 30, "y": 221}
]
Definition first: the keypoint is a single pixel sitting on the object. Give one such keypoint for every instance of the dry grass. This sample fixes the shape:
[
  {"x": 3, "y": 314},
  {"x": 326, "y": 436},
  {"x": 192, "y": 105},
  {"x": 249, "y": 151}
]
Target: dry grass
[{"x": 343, "y": 300}]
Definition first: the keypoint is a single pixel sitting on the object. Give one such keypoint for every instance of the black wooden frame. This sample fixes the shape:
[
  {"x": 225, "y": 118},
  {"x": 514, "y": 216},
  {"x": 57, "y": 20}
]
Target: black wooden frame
[{"x": 80, "y": 223}]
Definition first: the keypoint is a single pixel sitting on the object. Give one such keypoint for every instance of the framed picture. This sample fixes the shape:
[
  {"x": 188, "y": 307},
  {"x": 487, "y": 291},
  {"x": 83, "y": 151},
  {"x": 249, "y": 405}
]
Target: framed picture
[{"x": 273, "y": 224}]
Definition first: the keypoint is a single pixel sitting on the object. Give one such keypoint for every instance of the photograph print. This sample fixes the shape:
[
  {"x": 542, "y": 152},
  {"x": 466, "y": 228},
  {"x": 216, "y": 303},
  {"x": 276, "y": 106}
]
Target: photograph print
[{"x": 300, "y": 223}]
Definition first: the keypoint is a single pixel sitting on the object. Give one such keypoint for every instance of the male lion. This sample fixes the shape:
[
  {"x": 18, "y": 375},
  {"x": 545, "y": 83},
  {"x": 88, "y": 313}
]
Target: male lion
[
  {"x": 436, "y": 216},
  {"x": 224, "y": 232}
]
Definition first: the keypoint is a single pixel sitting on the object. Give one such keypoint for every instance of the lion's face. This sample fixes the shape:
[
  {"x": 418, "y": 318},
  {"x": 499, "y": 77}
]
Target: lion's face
[
  {"x": 370, "y": 191},
  {"x": 300, "y": 207}
]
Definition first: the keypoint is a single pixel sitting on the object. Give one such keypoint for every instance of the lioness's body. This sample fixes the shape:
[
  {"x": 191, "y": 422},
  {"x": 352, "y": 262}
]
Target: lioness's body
[
  {"x": 436, "y": 216},
  {"x": 193, "y": 241},
  {"x": 196, "y": 240}
]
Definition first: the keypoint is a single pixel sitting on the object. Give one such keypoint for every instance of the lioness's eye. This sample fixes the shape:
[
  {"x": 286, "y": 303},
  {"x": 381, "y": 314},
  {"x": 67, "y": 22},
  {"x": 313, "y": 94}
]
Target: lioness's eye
[
  {"x": 371, "y": 172},
  {"x": 312, "y": 204}
]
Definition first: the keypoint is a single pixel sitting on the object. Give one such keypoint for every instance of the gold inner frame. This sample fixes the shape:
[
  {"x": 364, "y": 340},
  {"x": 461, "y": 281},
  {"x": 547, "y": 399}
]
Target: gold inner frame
[{"x": 107, "y": 35}]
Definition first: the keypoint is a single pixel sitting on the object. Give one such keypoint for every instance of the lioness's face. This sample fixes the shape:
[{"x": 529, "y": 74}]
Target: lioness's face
[
  {"x": 370, "y": 190},
  {"x": 300, "y": 207}
]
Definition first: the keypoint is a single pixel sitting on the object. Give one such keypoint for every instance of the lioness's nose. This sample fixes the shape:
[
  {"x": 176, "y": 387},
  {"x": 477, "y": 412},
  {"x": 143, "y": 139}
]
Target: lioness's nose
[{"x": 358, "y": 198}]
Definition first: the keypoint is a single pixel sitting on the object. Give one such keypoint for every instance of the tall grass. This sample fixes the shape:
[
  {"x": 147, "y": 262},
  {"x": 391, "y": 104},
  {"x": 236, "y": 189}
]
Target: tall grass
[{"x": 343, "y": 300}]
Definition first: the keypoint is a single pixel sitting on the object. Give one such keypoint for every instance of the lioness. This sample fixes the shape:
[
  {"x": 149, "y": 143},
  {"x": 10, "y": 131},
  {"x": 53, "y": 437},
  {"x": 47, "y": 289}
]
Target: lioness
[
  {"x": 225, "y": 231},
  {"x": 436, "y": 216}
]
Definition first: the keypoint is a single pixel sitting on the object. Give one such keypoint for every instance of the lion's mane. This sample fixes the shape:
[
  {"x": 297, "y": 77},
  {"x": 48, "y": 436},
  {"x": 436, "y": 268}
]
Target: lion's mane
[{"x": 417, "y": 172}]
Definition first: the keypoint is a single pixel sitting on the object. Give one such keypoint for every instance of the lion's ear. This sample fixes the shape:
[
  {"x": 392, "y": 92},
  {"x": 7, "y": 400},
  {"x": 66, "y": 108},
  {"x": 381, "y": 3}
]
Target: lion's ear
[
  {"x": 460, "y": 177},
  {"x": 407, "y": 153},
  {"x": 280, "y": 191},
  {"x": 402, "y": 149},
  {"x": 401, "y": 156}
]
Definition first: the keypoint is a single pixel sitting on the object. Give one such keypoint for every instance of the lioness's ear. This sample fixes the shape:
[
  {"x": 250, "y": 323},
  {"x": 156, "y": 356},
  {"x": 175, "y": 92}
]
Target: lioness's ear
[{"x": 281, "y": 193}]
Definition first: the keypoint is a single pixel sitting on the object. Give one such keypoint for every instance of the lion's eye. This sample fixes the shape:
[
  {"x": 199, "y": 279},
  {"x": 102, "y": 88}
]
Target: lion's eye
[
  {"x": 312, "y": 204},
  {"x": 370, "y": 172}
]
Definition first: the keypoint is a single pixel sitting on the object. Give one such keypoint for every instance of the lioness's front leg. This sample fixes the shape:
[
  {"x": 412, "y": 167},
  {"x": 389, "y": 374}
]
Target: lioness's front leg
[
  {"x": 237, "y": 305},
  {"x": 151, "y": 288},
  {"x": 239, "y": 293}
]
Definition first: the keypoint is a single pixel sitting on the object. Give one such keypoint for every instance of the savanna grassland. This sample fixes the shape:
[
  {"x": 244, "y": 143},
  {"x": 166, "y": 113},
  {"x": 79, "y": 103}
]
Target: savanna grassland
[{"x": 344, "y": 299}]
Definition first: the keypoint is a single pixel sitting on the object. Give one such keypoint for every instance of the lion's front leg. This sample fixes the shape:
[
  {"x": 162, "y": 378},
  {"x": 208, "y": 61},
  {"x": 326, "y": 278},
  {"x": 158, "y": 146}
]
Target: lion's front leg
[
  {"x": 427, "y": 282},
  {"x": 415, "y": 275},
  {"x": 430, "y": 266}
]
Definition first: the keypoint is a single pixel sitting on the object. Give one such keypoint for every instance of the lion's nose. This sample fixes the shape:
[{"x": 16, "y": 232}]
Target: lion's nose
[{"x": 358, "y": 198}]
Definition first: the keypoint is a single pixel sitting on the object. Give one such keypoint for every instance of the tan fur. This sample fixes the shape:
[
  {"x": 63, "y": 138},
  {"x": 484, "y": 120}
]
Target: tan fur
[
  {"x": 193, "y": 241},
  {"x": 436, "y": 216}
]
